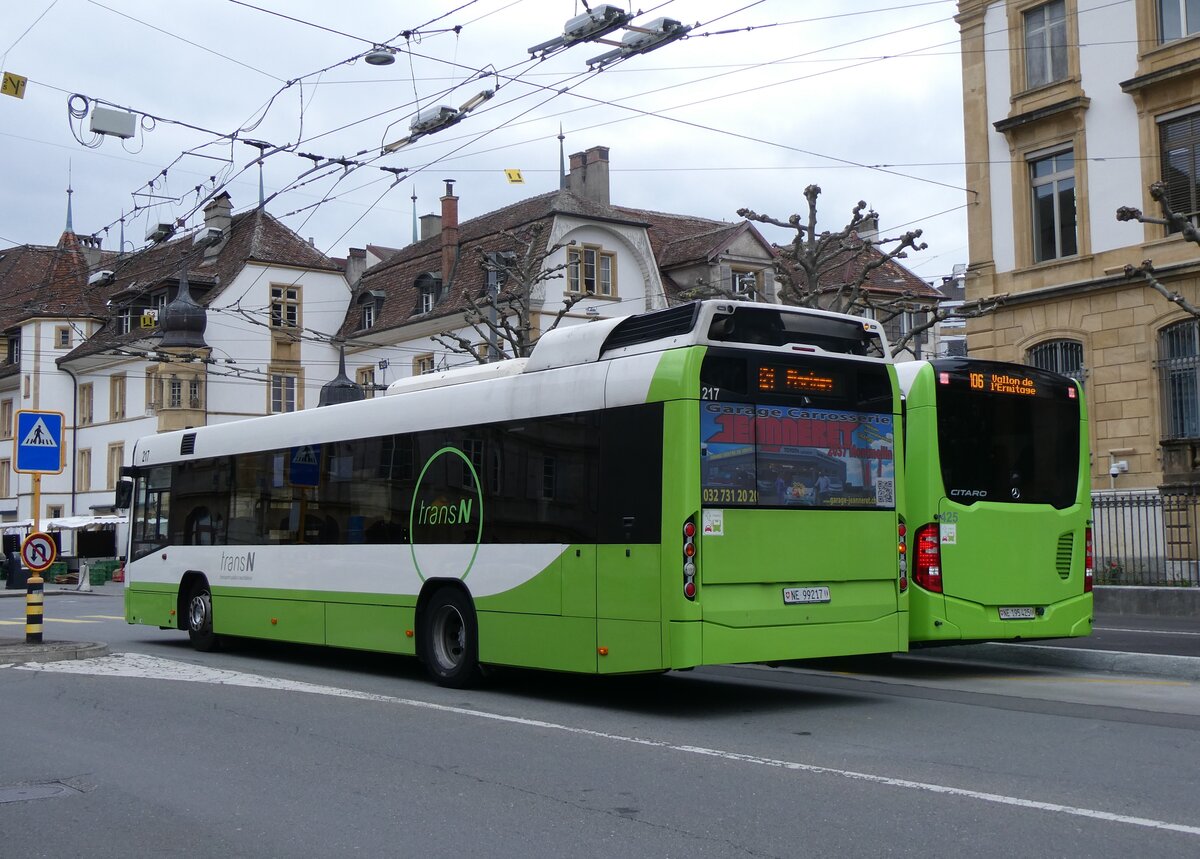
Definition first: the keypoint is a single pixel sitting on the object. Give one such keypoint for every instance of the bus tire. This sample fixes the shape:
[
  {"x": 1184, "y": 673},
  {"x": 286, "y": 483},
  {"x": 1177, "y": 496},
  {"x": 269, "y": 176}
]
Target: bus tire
[
  {"x": 450, "y": 639},
  {"x": 200, "y": 619}
]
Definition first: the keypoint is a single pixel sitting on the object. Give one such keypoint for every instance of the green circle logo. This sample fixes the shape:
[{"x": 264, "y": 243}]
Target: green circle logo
[{"x": 449, "y": 517}]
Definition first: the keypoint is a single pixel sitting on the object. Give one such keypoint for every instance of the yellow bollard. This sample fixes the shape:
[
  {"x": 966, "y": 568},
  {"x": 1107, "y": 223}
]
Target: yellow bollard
[{"x": 34, "y": 596}]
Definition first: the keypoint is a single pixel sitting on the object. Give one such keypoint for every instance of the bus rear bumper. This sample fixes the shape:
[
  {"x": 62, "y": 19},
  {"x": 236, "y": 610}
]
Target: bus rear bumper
[
  {"x": 725, "y": 644},
  {"x": 969, "y": 621}
]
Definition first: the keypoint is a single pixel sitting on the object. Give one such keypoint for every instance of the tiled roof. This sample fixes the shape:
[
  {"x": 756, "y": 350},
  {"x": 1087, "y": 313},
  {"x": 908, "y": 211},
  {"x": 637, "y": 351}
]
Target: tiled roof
[
  {"x": 396, "y": 276},
  {"x": 254, "y": 236},
  {"x": 37, "y": 280}
]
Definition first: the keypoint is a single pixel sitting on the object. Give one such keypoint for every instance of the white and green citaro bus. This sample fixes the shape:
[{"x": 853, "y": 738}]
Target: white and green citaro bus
[{"x": 711, "y": 483}]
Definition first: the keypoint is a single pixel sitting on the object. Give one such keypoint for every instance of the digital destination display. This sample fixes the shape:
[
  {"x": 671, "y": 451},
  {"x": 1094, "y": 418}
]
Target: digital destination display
[
  {"x": 1004, "y": 382},
  {"x": 793, "y": 380}
]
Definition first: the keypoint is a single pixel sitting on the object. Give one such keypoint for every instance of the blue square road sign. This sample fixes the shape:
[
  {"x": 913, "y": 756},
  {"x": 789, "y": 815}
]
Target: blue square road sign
[{"x": 38, "y": 442}]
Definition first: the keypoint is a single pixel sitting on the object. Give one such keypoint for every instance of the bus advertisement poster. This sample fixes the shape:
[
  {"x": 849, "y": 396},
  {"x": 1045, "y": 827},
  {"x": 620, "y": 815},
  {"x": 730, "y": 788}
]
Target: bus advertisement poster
[{"x": 774, "y": 455}]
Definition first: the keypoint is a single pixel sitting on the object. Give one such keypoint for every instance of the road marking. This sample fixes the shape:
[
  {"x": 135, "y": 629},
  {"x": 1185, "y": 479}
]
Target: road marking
[
  {"x": 48, "y": 620},
  {"x": 153, "y": 668},
  {"x": 105, "y": 616},
  {"x": 1147, "y": 631}
]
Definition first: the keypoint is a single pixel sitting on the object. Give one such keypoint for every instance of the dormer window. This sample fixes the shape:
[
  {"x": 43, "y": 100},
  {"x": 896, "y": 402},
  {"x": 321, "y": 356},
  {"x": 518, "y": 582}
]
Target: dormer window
[
  {"x": 14, "y": 348},
  {"x": 370, "y": 303},
  {"x": 429, "y": 285}
]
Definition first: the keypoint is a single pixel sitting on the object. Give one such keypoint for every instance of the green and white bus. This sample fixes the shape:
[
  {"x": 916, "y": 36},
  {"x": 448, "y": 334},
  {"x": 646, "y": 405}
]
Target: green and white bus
[
  {"x": 998, "y": 495},
  {"x": 711, "y": 483}
]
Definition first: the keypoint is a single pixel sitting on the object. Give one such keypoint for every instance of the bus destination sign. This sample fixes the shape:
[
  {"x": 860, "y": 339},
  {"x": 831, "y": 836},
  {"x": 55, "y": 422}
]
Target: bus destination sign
[
  {"x": 793, "y": 380},
  {"x": 993, "y": 383}
]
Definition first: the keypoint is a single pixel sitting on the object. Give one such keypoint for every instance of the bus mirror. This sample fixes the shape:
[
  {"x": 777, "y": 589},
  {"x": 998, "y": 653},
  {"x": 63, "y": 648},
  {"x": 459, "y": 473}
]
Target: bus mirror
[{"x": 124, "y": 499}]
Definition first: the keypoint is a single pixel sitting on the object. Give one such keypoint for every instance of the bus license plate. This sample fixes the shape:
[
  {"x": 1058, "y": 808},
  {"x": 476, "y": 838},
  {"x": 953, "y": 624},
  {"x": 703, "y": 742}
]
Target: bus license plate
[
  {"x": 1022, "y": 613},
  {"x": 794, "y": 596}
]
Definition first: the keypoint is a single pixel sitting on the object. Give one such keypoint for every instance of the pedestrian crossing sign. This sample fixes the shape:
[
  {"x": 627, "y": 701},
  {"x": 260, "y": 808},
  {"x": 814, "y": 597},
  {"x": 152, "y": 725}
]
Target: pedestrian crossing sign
[{"x": 38, "y": 442}]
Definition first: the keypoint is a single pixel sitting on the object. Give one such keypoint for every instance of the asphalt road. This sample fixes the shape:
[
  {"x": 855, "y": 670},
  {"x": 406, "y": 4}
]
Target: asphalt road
[{"x": 268, "y": 750}]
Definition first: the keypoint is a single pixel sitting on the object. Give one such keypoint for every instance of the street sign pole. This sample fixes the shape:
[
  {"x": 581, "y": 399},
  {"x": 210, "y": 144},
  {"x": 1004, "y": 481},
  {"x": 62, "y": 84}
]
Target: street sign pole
[
  {"x": 35, "y": 590},
  {"x": 38, "y": 450}
]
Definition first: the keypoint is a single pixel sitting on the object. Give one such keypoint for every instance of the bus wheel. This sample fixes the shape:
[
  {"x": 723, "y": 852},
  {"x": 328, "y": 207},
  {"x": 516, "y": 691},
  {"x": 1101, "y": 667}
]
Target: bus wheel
[
  {"x": 450, "y": 639},
  {"x": 200, "y": 619}
]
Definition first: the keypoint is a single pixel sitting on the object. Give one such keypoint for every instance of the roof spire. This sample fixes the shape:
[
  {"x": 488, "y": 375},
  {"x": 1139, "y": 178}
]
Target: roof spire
[
  {"x": 562, "y": 164},
  {"x": 414, "y": 199},
  {"x": 70, "y": 227}
]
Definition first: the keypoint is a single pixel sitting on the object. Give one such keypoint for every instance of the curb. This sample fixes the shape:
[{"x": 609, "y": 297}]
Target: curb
[
  {"x": 1111, "y": 661},
  {"x": 18, "y": 652}
]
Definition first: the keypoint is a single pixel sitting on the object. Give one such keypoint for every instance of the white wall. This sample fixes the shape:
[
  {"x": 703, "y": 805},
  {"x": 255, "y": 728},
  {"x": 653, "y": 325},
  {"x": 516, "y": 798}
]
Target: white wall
[
  {"x": 999, "y": 91},
  {"x": 1108, "y": 56}
]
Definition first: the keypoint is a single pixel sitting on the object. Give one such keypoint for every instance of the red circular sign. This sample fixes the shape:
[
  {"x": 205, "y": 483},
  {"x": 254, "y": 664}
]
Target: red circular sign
[{"x": 38, "y": 551}]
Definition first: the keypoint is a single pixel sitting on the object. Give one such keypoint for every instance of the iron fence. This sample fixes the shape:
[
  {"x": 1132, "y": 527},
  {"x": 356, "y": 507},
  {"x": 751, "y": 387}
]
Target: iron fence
[{"x": 1146, "y": 538}]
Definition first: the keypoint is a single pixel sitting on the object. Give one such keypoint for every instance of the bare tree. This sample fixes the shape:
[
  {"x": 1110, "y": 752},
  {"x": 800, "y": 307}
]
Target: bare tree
[
  {"x": 502, "y": 314},
  {"x": 1170, "y": 218},
  {"x": 832, "y": 271}
]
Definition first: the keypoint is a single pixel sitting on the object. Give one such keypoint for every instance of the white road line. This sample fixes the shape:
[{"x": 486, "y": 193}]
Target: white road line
[
  {"x": 1147, "y": 631},
  {"x": 48, "y": 620},
  {"x": 151, "y": 667}
]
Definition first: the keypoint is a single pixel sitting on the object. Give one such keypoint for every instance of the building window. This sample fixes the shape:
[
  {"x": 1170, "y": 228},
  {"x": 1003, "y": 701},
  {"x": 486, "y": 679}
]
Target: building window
[
  {"x": 83, "y": 470},
  {"x": 1053, "y": 185},
  {"x": 1064, "y": 357},
  {"x": 423, "y": 364},
  {"x": 285, "y": 307},
  {"x": 86, "y": 415},
  {"x": 6, "y": 418},
  {"x": 473, "y": 448},
  {"x": 1180, "y": 142},
  {"x": 365, "y": 376},
  {"x": 1179, "y": 378},
  {"x": 62, "y": 336},
  {"x": 745, "y": 283},
  {"x": 116, "y": 458},
  {"x": 592, "y": 271},
  {"x": 153, "y": 395},
  {"x": 1046, "y": 44},
  {"x": 54, "y": 511},
  {"x": 549, "y": 477},
  {"x": 174, "y": 393},
  {"x": 14, "y": 348},
  {"x": 428, "y": 300},
  {"x": 193, "y": 393},
  {"x": 283, "y": 393},
  {"x": 366, "y": 317},
  {"x": 116, "y": 397},
  {"x": 5, "y": 475},
  {"x": 1178, "y": 18}
]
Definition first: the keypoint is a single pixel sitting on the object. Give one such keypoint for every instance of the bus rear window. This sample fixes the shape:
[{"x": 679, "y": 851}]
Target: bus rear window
[
  {"x": 815, "y": 433},
  {"x": 1010, "y": 437}
]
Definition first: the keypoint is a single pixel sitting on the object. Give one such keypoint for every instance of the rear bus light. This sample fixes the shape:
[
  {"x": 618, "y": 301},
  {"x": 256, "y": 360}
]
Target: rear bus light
[
  {"x": 1088, "y": 567},
  {"x": 927, "y": 563},
  {"x": 689, "y": 557},
  {"x": 902, "y": 553}
]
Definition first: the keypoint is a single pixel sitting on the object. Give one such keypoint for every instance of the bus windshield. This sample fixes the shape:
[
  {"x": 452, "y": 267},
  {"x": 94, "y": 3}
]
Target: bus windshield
[
  {"x": 796, "y": 432},
  {"x": 1007, "y": 436}
]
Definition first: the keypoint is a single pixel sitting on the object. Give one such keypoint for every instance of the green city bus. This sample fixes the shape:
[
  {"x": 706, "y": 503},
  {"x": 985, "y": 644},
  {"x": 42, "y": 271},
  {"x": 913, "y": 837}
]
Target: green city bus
[
  {"x": 998, "y": 497},
  {"x": 710, "y": 483}
]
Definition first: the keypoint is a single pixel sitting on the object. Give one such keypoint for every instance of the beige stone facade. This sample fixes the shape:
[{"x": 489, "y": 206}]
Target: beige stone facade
[{"x": 1108, "y": 112}]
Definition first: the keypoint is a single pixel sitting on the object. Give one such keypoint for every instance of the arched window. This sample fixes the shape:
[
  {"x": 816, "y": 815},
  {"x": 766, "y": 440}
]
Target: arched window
[
  {"x": 1178, "y": 371},
  {"x": 1058, "y": 356}
]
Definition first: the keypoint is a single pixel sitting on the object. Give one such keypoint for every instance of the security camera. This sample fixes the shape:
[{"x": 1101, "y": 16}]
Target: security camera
[{"x": 1113, "y": 471}]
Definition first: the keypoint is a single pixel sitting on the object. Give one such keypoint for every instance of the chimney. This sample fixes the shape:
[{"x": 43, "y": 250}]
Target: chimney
[
  {"x": 356, "y": 264},
  {"x": 449, "y": 233},
  {"x": 431, "y": 225},
  {"x": 218, "y": 214},
  {"x": 868, "y": 228},
  {"x": 589, "y": 175}
]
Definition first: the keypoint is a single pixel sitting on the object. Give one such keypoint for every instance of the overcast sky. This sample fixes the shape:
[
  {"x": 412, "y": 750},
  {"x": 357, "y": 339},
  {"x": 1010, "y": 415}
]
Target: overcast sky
[{"x": 862, "y": 97}]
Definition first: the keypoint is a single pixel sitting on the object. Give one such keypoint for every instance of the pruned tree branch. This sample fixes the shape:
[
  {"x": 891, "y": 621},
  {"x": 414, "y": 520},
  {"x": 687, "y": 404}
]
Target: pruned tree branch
[{"x": 503, "y": 316}]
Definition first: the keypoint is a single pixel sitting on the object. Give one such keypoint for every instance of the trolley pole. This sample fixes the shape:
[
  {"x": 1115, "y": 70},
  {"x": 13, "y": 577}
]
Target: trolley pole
[{"x": 34, "y": 586}]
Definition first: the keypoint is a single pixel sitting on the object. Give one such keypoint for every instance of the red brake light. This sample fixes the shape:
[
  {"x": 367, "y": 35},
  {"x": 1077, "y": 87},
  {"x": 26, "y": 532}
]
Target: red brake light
[
  {"x": 689, "y": 529},
  {"x": 927, "y": 565},
  {"x": 689, "y": 549},
  {"x": 1088, "y": 566}
]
